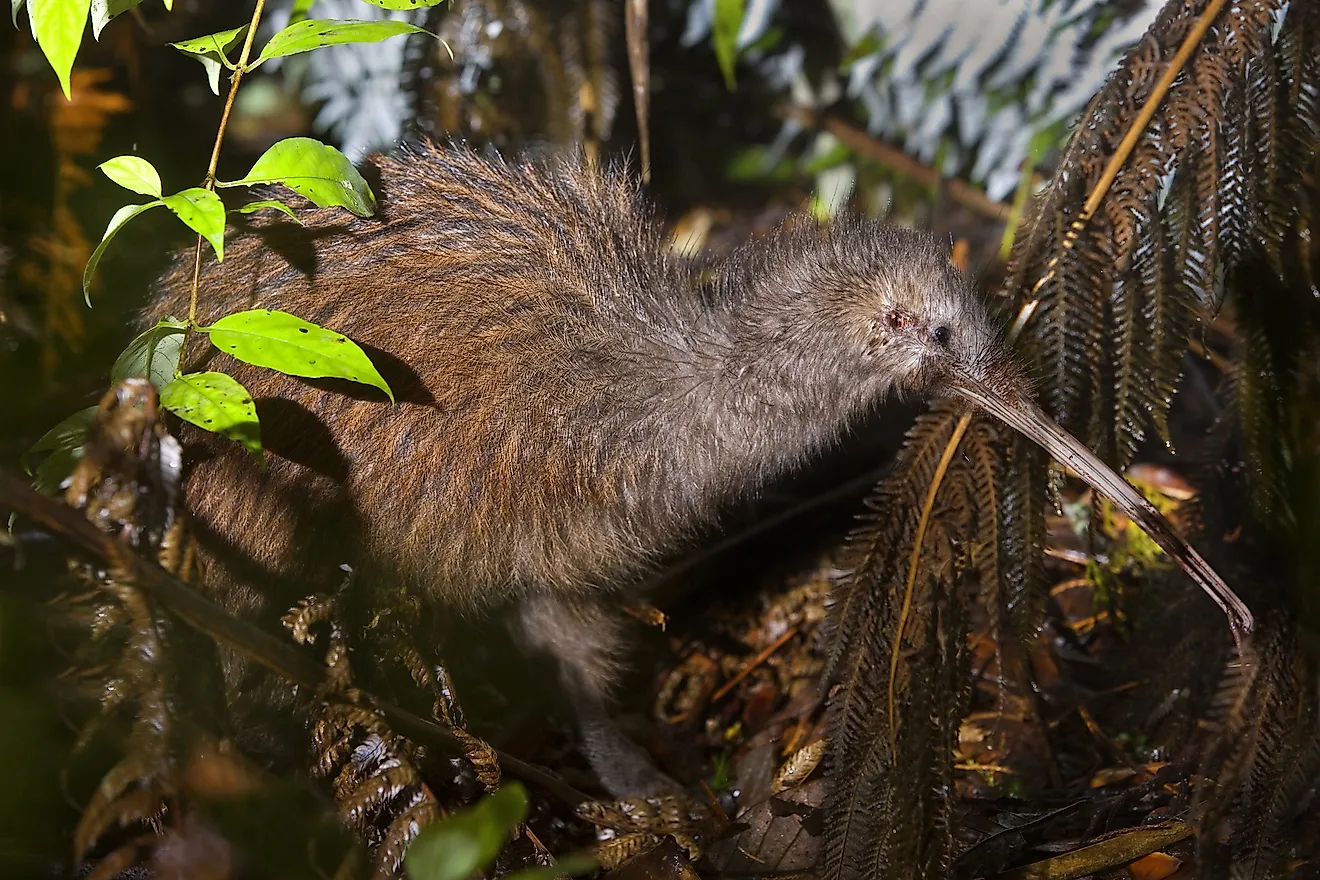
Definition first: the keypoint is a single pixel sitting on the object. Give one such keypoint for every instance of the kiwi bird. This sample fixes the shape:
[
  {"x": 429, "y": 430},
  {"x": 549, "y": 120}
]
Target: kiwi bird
[{"x": 574, "y": 401}]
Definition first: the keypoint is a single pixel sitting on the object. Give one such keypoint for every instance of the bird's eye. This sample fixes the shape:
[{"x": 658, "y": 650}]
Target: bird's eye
[{"x": 941, "y": 335}]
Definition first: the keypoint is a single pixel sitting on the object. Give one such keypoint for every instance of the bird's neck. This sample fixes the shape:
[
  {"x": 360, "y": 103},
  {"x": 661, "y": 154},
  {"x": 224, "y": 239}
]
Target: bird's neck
[{"x": 756, "y": 396}]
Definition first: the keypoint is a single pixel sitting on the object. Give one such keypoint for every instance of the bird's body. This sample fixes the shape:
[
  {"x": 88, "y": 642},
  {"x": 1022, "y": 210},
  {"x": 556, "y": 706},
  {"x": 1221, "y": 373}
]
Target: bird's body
[{"x": 574, "y": 401}]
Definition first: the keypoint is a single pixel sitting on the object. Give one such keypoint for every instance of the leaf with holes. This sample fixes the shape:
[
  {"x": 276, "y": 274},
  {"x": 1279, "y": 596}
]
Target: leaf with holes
[
  {"x": 204, "y": 213},
  {"x": 211, "y": 50},
  {"x": 315, "y": 33},
  {"x": 121, "y": 217},
  {"x": 133, "y": 173},
  {"x": 287, "y": 343},
  {"x": 104, "y": 10},
  {"x": 58, "y": 26},
  {"x": 315, "y": 170},
  {"x": 215, "y": 402},
  {"x": 152, "y": 355}
]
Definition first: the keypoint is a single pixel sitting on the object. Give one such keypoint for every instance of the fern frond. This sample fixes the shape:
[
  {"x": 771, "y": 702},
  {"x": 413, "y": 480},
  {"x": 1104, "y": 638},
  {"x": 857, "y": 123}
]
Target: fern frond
[{"x": 1124, "y": 253}]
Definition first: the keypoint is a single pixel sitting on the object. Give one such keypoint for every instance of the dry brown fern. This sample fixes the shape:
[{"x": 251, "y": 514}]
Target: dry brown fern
[{"x": 127, "y": 483}]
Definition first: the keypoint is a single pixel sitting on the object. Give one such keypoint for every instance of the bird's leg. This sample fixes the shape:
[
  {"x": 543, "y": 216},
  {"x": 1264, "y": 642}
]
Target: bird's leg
[{"x": 586, "y": 640}]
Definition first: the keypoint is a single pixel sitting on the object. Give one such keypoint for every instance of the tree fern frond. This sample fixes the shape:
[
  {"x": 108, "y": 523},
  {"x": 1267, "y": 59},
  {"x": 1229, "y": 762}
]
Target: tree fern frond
[{"x": 1124, "y": 265}]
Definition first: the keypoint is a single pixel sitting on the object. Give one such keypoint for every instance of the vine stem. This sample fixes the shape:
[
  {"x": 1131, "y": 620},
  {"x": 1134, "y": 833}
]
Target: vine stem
[{"x": 208, "y": 183}]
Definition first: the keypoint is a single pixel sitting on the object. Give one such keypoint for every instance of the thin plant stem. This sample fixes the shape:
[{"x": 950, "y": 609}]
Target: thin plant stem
[{"x": 209, "y": 182}]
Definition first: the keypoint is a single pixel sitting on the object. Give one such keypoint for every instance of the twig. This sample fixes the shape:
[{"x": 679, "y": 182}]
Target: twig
[
  {"x": 756, "y": 661},
  {"x": 208, "y": 183},
  {"x": 205, "y": 616},
  {"x": 858, "y": 140}
]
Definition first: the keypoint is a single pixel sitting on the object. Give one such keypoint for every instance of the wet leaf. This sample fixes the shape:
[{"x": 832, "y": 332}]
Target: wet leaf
[
  {"x": 215, "y": 402},
  {"x": 465, "y": 841},
  {"x": 153, "y": 355},
  {"x": 287, "y": 343},
  {"x": 58, "y": 26},
  {"x": 133, "y": 173},
  {"x": 204, "y": 214},
  {"x": 315, "y": 170}
]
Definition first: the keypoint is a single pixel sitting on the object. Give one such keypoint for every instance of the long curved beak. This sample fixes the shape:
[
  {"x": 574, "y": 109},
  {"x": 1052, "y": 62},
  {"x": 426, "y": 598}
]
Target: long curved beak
[{"x": 1021, "y": 413}]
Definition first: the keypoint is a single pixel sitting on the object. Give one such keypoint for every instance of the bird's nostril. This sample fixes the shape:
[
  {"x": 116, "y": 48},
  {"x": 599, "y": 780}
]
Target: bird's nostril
[{"x": 941, "y": 335}]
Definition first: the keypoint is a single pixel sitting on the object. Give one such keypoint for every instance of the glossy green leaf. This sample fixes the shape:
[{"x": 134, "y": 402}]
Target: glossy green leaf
[
  {"x": 724, "y": 34},
  {"x": 287, "y": 343},
  {"x": 264, "y": 204},
  {"x": 211, "y": 50},
  {"x": 316, "y": 33},
  {"x": 133, "y": 173},
  {"x": 121, "y": 217},
  {"x": 204, "y": 213},
  {"x": 66, "y": 438},
  {"x": 153, "y": 355},
  {"x": 405, "y": 4},
  {"x": 465, "y": 841},
  {"x": 215, "y": 402},
  {"x": 315, "y": 170},
  {"x": 104, "y": 10},
  {"x": 58, "y": 26}
]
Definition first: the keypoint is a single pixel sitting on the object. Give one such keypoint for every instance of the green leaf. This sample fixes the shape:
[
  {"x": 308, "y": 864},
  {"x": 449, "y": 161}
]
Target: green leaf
[
  {"x": 467, "y": 840},
  {"x": 215, "y": 402},
  {"x": 300, "y": 10},
  {"x": 66, "y": 438},
  {"x": 133, "y": 173},
  {"x": 724, "y": 33},
  {"x": 287, "y": 343},
  {"x": 58, "y": 26},
  {"x": 314, "y": 33},
  {"x": 315, "y": 170},
  {"x": 405, "y": 4},
  {"x": 211, "y": 51},
  {"x": 570, "y": 865},
  {"x": 104, "y": 10},
  {"x": 121, "y": 217},
  {"x": 276, "y": 204},
  {"x": 153, "y": 354},
  {"x": 204, "y": 213}
]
